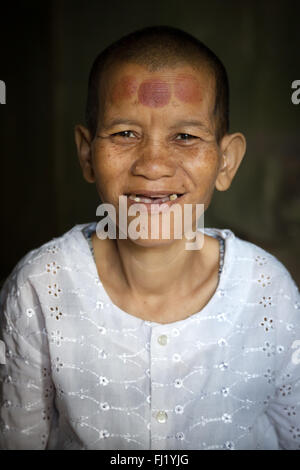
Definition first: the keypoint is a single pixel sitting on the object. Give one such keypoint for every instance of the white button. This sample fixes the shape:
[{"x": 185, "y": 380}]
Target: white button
[
  {"x": 162, "y": 339},
  {"x": 161, "y": 416}
]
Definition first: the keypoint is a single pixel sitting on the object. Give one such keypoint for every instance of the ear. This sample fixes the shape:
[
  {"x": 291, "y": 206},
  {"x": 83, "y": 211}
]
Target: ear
[
  {"x": 83, "y": 142},
  {"x": 233, "y": 149}
]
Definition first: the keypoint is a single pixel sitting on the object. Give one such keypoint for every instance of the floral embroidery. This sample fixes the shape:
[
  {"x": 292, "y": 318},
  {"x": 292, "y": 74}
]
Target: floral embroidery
[
  {"x": 54, "y": 290},
  {"x": 290, "y": 410},
  {"x": 269, "y": 348},
  {"x": 295, "y": 432},
  {"x": 218, "y": 363},
  {"x": 285, "y": 390},
  {"x": 57, "y": 364},
  {"x": 261, "y": 260},
  {"x": 56, "y": 337},
  {"x": 267, "y": 323},
  {"x": 266, "y": 301},
  {"x": 49, "y": 391},
  {"x": 264, "y": 280},
  {"x": 52, "y": 268},
  {"x": 46, "y": 372},
  {"x": 46, "y": 414},
  {"x": 55, "y": 312},
  {"x": 270, "y": 375},
  {"x": 52, "y": 249},
  {"x": 59, "y": 391}
]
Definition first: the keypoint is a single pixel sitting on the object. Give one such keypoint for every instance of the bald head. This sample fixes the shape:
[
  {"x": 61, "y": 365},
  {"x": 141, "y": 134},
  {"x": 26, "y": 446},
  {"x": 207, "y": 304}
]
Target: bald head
[{"x": 156, "y": 48}]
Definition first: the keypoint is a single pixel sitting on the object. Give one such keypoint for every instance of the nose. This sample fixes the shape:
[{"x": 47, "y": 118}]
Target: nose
[{"x": 154, "y": 162}]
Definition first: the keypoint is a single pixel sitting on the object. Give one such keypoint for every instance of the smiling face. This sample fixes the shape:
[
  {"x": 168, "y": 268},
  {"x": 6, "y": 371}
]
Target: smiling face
[{"x": 156, "y": 132}]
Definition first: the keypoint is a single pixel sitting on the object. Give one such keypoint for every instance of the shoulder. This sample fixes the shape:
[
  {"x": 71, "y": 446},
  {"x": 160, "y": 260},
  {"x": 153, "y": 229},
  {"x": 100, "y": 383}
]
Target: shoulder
[
  {"x": 263, "y": 263},
  {"x": 249, "y": 270},
  {"x": 261, "y": 276},
  {"x": 44, "y": 259}
]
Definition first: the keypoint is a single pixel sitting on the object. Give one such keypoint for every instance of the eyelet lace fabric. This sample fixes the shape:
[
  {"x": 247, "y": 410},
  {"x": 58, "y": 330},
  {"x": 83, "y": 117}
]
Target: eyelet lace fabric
[{"x": 77, "y": 372}]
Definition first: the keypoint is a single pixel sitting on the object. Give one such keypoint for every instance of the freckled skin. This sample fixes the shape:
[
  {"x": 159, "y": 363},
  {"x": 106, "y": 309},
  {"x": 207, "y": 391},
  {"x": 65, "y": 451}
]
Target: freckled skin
[
  {"x": 154, "y": 93},
  {"x": 153, "y": 156},
  {"x": 187, "y": 89}
]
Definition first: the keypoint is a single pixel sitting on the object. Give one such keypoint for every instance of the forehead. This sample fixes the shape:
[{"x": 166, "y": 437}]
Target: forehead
[{"x": 181, "y": 85}]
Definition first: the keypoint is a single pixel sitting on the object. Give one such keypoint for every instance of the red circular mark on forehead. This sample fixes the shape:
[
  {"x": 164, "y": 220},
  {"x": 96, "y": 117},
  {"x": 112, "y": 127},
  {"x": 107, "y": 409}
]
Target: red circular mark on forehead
[
  {"x": 187, "y": 89},
  {"x": 125, "y": 88},
  {"x": 154, "y": 93}
]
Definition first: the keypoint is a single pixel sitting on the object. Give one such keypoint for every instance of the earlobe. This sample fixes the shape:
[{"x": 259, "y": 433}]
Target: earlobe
[
  {"x": 83, "y": 144},
  {"x": 233, "y": 149}
]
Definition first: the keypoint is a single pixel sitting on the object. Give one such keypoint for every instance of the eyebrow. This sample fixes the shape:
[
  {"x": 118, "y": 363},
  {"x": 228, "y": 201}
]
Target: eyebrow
[
  {"x": 117, "y": 121},
  {"x": 190, "y": 123},
  {"x": 182, "y": 123}
]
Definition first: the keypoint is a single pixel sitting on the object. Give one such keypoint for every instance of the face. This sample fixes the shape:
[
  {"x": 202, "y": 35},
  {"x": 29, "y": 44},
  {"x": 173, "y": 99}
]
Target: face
[{"x": 156, "y": 136}]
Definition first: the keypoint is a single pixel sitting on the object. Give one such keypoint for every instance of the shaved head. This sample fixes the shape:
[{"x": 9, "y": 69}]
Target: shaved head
[{"x": 157, "y": 48}]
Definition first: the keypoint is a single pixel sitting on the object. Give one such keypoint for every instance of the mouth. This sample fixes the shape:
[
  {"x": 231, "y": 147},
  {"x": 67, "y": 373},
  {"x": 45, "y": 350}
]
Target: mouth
[{"x": 154, "y": 197}]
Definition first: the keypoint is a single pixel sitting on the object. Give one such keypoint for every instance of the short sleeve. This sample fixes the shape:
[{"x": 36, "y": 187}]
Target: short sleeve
[
  {"x": 284, "y": 408},
  {"x": 26, "y": 389}
]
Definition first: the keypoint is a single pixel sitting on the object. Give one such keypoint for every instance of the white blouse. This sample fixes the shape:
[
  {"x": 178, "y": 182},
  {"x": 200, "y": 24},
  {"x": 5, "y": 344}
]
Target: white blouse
[{"x": 77, "y": 372}]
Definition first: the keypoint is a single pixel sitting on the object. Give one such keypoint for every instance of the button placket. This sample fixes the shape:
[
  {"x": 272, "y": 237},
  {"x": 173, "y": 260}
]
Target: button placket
[
  {"x": 159, "y": 414},
  {"x": 160, "y": 355}
]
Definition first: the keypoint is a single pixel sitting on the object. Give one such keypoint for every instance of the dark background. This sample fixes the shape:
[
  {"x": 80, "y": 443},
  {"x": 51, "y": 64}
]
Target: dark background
[{"x": 47, "y": 49}]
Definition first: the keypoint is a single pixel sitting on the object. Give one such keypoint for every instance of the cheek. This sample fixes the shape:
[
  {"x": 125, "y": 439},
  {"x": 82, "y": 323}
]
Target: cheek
[
  {"x": 110, "y": 166},
  {"x": 202, "y": 166}
]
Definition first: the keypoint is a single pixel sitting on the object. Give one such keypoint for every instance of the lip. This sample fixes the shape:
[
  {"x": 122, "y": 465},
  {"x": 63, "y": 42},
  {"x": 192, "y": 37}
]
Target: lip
[
  {"x": 142, "y": 192},
  {"x": 156, "y": 207}
]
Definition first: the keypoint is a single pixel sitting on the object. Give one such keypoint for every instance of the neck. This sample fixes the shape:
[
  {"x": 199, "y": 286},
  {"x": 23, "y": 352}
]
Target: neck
[{"x": 162, "y": 271}]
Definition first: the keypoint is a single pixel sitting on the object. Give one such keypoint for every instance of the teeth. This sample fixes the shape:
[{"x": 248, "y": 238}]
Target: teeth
[{"x": 163, "y": 199}]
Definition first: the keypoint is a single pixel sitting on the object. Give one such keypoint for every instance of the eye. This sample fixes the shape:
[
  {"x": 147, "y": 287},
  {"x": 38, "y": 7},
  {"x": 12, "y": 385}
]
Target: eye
[
  {"x": 125, "y": 134},
  {"x": 185, "y": 137}
]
